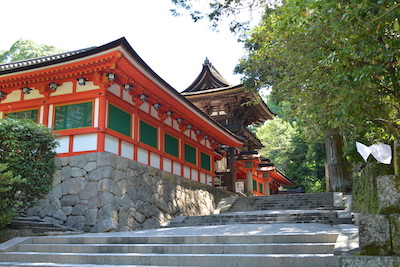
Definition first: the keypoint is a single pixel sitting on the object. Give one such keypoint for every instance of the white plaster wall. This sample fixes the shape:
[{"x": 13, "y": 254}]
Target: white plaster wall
[
  {"x": 208, "y": 144},
  {"x": 63, "y": 144},
  {"x": 111, "y": 144},
  {"x": 50, "y": 123},
  {"x": 154, "y": 160},
  {"x": 193, "y": 135},
  {"x": 63, "y": 89},
  {"x": 188, "y": 132},
  {"x": 127, "y": 97},
  {"x": 85, "y": 142},
  {"x": 168, "y": 121},
  {"x": 127, "y": 150},
  {"x": 145, "y": 107},
  {"x": 34, "y": 94},
  {"x": 143, "y": 156},
  {"x": 14, "y": 96},
  {"x": 41, "y": 114},
  {"x": 186, "y": 172},
  {"x": 195, "y": 175},
  {"x": 154, "y": 113},
  {"x": 87, "y": 87},
  {"x": 96, "y": 113},
  {"x": 177, "y": 168},
  {"x": 115, "y": 89},
  {"x": 203, "y": 178},
  {"x": 167, "y": 165},
  {"x": 175, "y": 125}
]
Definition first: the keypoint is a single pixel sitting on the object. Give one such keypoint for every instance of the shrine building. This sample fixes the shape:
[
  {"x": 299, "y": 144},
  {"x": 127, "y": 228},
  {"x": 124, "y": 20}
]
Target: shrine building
[
  {"x": 107, "y": 99},
  {"x": 235, "y": 108}
]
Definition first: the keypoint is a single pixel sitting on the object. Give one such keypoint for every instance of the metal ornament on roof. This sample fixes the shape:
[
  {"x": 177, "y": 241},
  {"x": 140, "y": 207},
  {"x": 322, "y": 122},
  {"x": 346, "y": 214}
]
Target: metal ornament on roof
[
  {"x": 82, "y": 81},
  {"x": 128, "y": 87},
  {"x": 53, "y": 86},
  {"x": 26, "y": 90},
  {"x": 2, "y": 94},
  {"x": 111, "y": 76}
]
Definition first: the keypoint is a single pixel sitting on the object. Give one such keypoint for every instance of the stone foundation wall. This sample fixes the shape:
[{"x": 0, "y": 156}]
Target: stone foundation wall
[
  {"x": 380, "y": 233},
  {"x": 102, "y": 192}
]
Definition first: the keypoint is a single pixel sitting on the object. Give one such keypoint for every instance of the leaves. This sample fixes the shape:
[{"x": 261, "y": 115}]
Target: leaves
[
  {"x": 24, "y": 49},
  {"x": 301, "y": 160},
  {"x": 336, "y": 63},
  {"x": 28, "y": 150}
]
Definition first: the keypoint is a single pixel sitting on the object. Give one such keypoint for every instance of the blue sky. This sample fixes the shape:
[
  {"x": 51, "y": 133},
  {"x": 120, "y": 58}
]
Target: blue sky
[{"x": 174, "y": 47}]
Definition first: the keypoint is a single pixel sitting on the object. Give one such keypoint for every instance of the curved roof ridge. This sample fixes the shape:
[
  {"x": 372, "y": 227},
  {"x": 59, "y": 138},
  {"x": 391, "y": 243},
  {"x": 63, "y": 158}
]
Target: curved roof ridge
[{"x": 209, "y": 78}]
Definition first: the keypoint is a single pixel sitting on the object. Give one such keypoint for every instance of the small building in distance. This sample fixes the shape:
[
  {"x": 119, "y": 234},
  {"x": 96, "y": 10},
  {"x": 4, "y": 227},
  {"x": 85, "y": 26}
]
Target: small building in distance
[{"x": 236, "y": 108}]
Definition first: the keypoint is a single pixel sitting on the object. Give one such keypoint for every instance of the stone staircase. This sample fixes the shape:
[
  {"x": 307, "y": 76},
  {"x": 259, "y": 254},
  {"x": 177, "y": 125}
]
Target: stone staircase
[
  {"x": 228, "y": 245},
  {"x": 317, "y": 201},
  {"x": 251, "y": 232},
  {"x": 326, "y": 208},
  {"x": 40, "y": 227}
]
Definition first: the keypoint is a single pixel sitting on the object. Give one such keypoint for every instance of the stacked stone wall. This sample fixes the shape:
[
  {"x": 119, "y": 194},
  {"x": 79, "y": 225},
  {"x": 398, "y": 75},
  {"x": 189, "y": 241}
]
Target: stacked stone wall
[{"x": 100, "y": 192}]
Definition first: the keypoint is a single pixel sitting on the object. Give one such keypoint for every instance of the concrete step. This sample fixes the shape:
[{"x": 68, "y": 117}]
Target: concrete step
[
  {"x": 228, "y": 245},
  {"x": 319, "y": 237},
  {"x": 319, "y": 201},
  {"x": 245, "y": 248},
  {"x": 39, "y": 226},
  {"x": 221, "y": 260},
  {"x": 289, "y": 216}
]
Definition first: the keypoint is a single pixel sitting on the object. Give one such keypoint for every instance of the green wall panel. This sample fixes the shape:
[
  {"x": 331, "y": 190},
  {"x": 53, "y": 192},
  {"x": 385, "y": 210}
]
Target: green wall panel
[
  {"x": 148, "y": 134},
  {"x": 205, "y": 161},
  {"x": 190, "y": 154},
  {"x": 119, "y": 120},
  {"x": 171, "y": 145}
]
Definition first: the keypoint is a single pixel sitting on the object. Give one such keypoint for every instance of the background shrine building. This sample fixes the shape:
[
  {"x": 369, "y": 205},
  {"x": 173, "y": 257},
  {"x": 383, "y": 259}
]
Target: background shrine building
[{"x": 236, "y": 108}]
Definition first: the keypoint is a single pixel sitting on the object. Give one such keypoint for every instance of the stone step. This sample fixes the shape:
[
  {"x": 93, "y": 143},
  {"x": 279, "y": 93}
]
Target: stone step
[
  {"x": 155, "y": 259},
  {"x": 318, "y": 201},
  {"x": 290, "y": 216},
  {"x": 245, "y": 248},
  {"x": 39, "y": 226},
  {"x": 319, "y": 237}
]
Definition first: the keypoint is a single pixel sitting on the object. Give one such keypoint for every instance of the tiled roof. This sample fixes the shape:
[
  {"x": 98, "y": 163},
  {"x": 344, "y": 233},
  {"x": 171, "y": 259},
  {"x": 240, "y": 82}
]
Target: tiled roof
[{"x": 40, "y": 60}]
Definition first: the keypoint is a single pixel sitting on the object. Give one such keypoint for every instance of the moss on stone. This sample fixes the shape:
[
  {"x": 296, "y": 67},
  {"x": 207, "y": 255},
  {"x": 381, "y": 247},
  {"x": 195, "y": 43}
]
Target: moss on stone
[
  {"x": 376, "y": 250},
  {"x": 365, "y": 195}
]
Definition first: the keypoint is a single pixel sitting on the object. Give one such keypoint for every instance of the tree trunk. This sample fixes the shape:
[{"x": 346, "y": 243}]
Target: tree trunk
[{"x": 338, "y": 168}]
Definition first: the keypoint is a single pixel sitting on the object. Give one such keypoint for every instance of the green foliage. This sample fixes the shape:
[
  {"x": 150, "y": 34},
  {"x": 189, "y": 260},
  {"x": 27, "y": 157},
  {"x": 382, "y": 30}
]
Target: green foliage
[
  {"x": 301, "y": 160},
  {"x": 29, "y": 150},
  {"x": 218, "y": 10},
  {"x": 24, "y": 49},
  {"x": 336, "y": 63},
  {"x": 9, "y": 199}
]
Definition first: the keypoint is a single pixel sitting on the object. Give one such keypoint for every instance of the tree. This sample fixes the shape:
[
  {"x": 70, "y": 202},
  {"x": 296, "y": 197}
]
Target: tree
[
  {"x": 337, "y": 64},
  {"x": 28, "y": 149},
  {"x": 25, "y": 49},
  {"x": 302, "y": 160},
  {"x": 8, "y": 201}
]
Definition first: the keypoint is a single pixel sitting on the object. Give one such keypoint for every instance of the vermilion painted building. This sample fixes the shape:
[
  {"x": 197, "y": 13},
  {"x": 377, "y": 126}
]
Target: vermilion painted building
[
  {"x": 108, "y": 99},
  {"x": 236, "y": 108}
]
